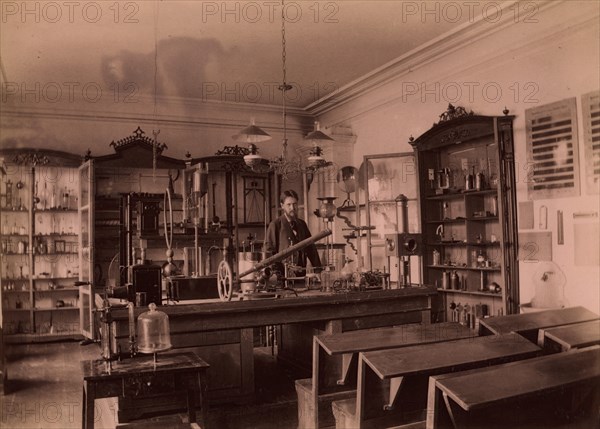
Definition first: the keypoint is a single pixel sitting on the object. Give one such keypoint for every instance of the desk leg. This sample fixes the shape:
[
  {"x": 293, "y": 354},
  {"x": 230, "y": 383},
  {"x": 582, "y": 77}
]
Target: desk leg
[
  {"x": 83, "y": 407},
  {"x": 87, "y": 412},
  {"x": 315, "y": 384},
  {"x": 203, "y": 403},
  {"x": 191, "y": 405},
  {"x": 434, "y": 405}
]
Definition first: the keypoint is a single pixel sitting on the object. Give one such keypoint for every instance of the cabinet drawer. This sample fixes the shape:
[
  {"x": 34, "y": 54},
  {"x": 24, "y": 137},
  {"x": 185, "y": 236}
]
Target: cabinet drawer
[{"x": 147, "y": 384}]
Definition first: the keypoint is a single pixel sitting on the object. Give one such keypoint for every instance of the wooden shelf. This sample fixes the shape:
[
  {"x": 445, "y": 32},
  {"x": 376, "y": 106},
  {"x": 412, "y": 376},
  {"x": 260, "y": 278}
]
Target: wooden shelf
[
  {"x": 20, "y": 337},
  {"x": 466, "y": 292},
  {"x": 447, "y": 221},
  {"x": 14, "y": 211},
  {"x": 450, "y": 267},
  {"x": 57, "y": 210},
  {"x": 483, "y": 219},
  {"x": 458, "y": 195}
]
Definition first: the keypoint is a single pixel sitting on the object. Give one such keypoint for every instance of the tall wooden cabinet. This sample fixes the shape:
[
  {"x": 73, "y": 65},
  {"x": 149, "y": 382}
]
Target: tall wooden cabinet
[
  {"x": 40, "y": 256},
  {"x": 468, "y": 214}
]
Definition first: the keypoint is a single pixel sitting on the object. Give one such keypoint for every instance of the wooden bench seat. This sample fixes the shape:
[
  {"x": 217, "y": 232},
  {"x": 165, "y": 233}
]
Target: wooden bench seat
[
  {"x": 335, "y": 356},
  {"x": 392, "y": 383},
  {"x": 564, "y": 338},
  {"x": 528, "y": 324},
  {"x": 558, "y": 390}
]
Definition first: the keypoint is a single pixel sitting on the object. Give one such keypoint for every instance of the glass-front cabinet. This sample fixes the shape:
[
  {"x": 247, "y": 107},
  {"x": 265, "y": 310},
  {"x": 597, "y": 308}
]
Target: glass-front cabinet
[
  {"x": 86, "y": 248},
  {"x": 39, "y": 245},
  {"x": 468, "y": 215},
  {"x": 392, "y": 209}
]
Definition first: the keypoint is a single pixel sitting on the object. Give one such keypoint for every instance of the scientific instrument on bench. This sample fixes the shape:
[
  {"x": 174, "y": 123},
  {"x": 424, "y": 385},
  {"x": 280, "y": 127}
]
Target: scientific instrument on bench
[
  {"x": 262, "y": 270},
  {"x": 401, "y": 246}
]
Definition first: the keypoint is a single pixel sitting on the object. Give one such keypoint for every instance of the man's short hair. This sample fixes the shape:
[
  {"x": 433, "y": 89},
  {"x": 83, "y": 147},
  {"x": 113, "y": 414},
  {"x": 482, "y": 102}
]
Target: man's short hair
[{"x": 288, "y": 193}]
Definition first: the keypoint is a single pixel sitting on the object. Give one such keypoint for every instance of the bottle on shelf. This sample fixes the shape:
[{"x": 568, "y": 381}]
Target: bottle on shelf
[
  {"x": 469, "y": 185},
  {"x": 53, "y": 198},
  {"x": 65, "y": 199},
  {"x": 454, "y": 281},
  {"x": 479, "y": 181},
  {"x": 9, "y": 195},
  {"x": 44, "y": 197}
]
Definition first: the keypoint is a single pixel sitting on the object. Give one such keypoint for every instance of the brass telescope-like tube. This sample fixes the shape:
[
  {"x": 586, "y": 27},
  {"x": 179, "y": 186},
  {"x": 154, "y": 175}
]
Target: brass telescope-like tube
[{"x": 285, "y": 253}]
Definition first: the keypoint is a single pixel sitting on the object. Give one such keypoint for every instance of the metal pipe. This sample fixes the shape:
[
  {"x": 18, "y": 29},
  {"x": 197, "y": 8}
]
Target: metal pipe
[{"x": 285, "y": 253}]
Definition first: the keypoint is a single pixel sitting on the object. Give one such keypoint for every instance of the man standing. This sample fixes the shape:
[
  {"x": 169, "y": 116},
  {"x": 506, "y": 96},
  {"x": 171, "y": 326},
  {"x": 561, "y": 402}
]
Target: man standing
[{"x": 288, "y": 230}]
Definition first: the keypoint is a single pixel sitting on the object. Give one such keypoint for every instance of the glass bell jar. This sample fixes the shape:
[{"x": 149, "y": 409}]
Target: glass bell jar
[{"x": 153, "y": 331}]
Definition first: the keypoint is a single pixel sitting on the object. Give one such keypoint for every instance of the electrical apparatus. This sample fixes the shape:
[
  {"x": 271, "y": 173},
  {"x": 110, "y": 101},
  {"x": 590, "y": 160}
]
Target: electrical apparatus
[{"x": 401, "y": 246}]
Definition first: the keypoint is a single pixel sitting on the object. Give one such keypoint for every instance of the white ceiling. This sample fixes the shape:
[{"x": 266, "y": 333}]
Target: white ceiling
[{"x": 228, "y": 51}]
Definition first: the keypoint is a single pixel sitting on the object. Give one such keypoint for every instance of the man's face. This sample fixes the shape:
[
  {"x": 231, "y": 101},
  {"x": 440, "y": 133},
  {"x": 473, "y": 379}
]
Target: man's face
[{"x": 290, "y": 207}]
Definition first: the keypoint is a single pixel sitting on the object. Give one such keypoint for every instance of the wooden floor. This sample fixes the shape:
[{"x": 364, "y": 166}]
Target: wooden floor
[{"x": 45, "y": 382}]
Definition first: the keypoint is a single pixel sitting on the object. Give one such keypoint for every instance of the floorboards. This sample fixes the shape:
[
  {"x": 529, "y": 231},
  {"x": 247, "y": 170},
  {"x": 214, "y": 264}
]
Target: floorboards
[{"x": 45, "y": 381}]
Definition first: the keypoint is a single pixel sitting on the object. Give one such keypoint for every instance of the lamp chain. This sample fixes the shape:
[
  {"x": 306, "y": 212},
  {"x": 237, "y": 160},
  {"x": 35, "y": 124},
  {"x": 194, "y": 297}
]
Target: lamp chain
[{"x": 284, "y": 86}]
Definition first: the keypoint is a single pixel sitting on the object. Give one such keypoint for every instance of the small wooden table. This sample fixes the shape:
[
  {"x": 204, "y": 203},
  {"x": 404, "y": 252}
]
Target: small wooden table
[
  {"x": 142, "y": 377},
  {"x": 564, "y": 338},
  {"x": 335, "y": 356},
  {"x": 513, "y": 394},
  {"x": 528, "y": 324},
  {"x": 389, "y": 379}
]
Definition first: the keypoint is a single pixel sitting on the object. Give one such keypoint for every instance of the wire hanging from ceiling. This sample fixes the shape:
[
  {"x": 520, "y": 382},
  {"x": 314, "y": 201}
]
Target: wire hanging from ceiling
[{"x": 156, "y": 132}]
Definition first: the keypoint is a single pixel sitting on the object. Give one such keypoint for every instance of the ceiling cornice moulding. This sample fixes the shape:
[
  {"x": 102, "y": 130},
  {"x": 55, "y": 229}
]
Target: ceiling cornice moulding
[{"x": 468, "y": 33}]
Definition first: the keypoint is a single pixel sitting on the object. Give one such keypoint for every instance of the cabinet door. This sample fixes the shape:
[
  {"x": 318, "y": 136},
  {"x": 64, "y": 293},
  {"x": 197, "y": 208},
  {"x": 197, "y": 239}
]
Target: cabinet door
[
  {"x": 385, "y": 178},
  {"x": 86, "y": 248}
]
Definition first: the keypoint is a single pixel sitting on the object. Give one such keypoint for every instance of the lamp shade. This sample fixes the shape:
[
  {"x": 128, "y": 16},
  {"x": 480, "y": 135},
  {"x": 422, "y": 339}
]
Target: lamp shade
[
  {"x": 317, "y": 134},
  {"x": 252, "y": 134}
]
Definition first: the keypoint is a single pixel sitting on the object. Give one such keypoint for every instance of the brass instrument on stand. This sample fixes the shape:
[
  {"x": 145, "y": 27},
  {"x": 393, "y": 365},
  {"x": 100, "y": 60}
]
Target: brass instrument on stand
[{"x": 260, "y": 269}]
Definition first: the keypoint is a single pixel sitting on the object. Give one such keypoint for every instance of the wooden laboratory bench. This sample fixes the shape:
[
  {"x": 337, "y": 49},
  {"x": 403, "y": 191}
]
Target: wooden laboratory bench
[
  {"x": 221, "y": 333},
  {"x": 335, "y": 357},
  {"x": 555, "y": 391},
  {"x": 567, "y": 337},
  {"x": 392, "y": 383},
  {"x": 528, "y": 324}
]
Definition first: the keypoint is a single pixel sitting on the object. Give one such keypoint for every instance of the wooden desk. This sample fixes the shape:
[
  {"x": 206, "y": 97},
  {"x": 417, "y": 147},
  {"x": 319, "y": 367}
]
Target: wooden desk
[
  {"x": 564, "y": 338},
  {"x": 528, "y": 324},
  {"x": 536, "y": 392},
  {"x": 393, "y": 383},
  {"x": 222, "y": 332},
  {"x": 140, "y": 377},
  {"x": 335, "y": 356}
]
